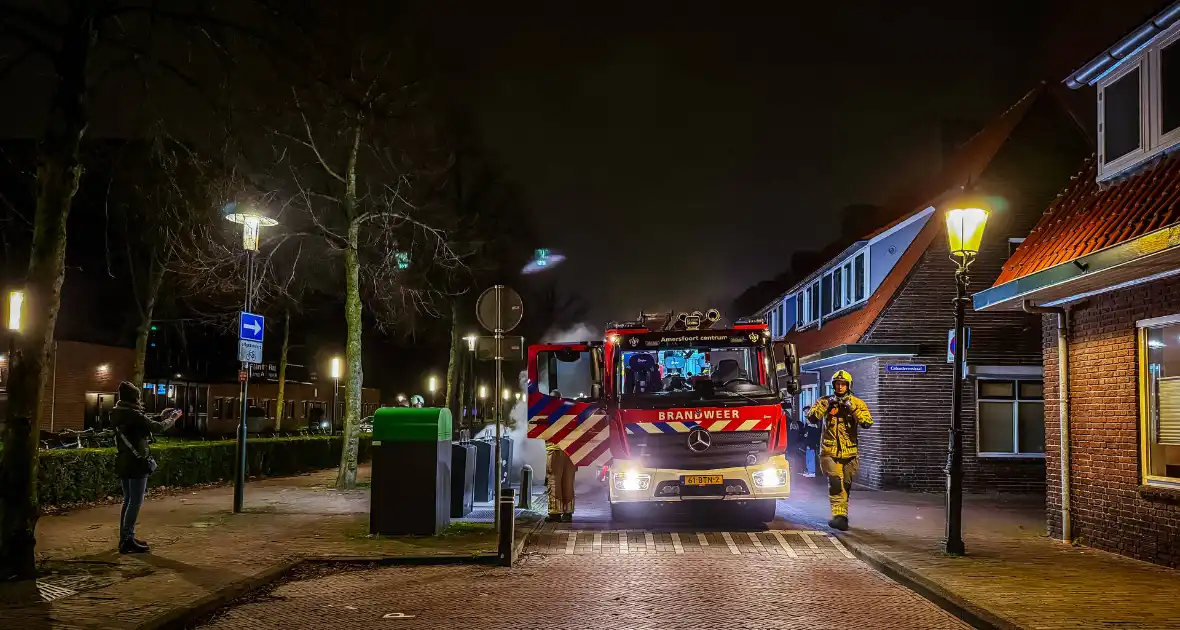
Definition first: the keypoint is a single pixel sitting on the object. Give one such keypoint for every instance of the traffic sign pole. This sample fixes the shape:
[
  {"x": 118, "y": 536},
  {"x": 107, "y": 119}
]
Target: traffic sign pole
[
  {"x": 240, "y": 469},
  {"x": 508, "y": 310}
]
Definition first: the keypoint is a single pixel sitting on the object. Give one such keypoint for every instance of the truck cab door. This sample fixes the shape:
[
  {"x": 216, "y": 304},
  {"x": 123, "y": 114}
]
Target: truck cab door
[
  {"x": 571, "y": 371},
  {"x": 565, "y": 400}
]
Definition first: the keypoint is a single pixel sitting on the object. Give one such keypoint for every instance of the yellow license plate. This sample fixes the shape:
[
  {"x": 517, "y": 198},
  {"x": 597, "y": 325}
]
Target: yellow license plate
[{"x": 704, "y": 480}]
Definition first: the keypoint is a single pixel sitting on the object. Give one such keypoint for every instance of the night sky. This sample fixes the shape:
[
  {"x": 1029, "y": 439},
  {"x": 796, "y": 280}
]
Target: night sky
[{"x": 679, "y": 152}]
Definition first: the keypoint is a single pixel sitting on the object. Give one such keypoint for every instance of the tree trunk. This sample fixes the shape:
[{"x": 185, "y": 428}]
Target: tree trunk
[
  {"x": 144, "y": 330},
  {"x": 346, "y": 476},
  {"x": 57, "y": 178},
  {"x": 283, "y": 369},
  {"x": 454, "y": 364}
]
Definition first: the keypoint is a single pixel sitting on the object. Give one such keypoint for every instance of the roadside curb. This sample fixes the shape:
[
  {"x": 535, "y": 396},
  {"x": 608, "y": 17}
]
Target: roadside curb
[
  {"x": 937, "y": 594},
  {"x": 180, "y": 617},
  {"x": 183, "y": 617},
  {"x": 518, "y": 546}
]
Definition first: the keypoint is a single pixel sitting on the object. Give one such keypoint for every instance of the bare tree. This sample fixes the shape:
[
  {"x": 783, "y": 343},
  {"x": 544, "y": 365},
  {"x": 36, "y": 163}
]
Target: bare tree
[
  {"x": 81, "y": 43},
  {"x": 357, "y": 157}
]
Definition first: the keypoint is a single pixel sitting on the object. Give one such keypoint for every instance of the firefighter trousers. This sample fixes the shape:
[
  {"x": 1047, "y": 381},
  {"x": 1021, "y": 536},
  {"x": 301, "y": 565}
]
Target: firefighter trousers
[
  {"x": 560, "y": 471},
  {"x": 840, "y": 473}
]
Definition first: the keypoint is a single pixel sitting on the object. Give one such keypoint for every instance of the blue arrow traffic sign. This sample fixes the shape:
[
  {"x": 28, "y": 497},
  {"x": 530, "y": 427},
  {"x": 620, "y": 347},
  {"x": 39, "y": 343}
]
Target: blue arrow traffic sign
[{"x": 251, "y": 326}]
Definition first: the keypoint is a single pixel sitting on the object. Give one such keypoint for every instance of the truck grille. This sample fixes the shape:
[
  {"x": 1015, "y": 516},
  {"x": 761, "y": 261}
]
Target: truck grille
[{"x": 670, "y": 450}]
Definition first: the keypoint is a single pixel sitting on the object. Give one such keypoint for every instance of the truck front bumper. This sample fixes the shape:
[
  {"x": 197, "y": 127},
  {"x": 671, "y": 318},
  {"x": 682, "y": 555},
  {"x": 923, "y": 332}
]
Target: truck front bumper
[{"x": 631, "y": 482}]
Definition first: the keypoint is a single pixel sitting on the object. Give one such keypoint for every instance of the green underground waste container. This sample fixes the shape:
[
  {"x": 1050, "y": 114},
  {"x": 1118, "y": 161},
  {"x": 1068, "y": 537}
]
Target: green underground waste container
[{"x": 411, "y": 491}]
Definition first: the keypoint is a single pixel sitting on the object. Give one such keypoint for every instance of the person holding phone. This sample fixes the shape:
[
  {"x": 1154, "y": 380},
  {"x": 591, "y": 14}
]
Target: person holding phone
[{"x": 134, "y": 462}]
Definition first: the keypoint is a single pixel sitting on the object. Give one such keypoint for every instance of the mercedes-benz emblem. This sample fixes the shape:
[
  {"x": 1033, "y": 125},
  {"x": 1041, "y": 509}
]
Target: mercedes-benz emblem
[{"x": 699, "y": 440}]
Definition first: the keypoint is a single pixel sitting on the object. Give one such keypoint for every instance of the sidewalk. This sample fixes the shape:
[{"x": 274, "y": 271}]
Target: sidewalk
[
  {"x": 202, "y": 552},
  {"x": 1012, "y": 576}
]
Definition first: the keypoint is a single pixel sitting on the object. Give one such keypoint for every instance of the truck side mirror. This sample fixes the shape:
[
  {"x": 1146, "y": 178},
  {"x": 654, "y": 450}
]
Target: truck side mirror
[{"x": 787, "y": 365}]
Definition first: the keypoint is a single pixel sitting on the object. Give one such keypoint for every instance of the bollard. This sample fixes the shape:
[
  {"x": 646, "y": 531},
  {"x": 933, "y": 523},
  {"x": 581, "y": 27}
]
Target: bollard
[
  {"x": 526, "y": 488},
  {"x": 507, "y": 525}
]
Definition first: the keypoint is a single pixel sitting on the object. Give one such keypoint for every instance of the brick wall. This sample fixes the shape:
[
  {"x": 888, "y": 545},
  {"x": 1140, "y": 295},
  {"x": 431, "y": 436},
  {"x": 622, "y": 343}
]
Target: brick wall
[
  {"x": 864, "y": 385},
  {"x": 1109, "y": 510},
  {"x": 81, "y": 368},
  {"x": 915, "y": 409}
]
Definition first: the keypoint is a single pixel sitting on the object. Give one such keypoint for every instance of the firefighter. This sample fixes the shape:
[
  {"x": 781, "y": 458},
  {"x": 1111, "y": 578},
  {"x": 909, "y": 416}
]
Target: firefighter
[
  {"x": 842, "y": 415},
  {"x": 559, "y": 479}
]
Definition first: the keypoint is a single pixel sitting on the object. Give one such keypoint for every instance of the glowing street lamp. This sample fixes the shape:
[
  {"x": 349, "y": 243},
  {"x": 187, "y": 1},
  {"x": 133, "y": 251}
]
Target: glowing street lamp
[
  {"x": 433, "y": 387},
  {"x": 964, "y": 230},
  {"x": 507, "y": 394},
  {"x": 252, "y": 222},
  {"x": 335, "y": 369},
  {"x": 471, "y": 338},
  {"x": 965, "y": 221},
  {"x": 16, "y": 303},
  {"x": 483, "y": 392}
]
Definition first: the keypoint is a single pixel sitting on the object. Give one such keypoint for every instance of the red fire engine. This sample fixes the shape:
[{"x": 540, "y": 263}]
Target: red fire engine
[{"x": 676, "y": 409}]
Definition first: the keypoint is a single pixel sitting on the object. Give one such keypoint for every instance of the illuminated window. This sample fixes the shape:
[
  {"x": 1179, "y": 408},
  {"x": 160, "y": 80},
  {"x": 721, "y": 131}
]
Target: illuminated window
[
  {"x": 1010, "y": 418},
  {"x": 1159, "y": 382}
]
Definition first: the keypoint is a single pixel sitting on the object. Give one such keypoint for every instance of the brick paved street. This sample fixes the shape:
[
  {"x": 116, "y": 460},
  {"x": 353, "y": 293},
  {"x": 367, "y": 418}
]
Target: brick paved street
[
  {"x": 659, "y": 591},
  {"x": 597, "y": 574}
]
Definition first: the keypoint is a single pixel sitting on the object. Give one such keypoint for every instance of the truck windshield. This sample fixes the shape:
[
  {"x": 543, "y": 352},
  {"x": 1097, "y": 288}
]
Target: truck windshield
[{"x": 716, "y": 372}]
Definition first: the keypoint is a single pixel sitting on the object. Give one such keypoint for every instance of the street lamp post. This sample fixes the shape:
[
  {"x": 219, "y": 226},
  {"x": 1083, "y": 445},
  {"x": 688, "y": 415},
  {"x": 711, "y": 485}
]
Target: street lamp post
[
  {"x": 433, "y": 387},
  {"x": 335, "y": 391},
  {"x": 483, "y": 396},
  {"x": 470, "y": 338},
  {"x": 16, "y": 303},
  {"x": 964, "y": 230},
  {"x": 252, "y": 223}
]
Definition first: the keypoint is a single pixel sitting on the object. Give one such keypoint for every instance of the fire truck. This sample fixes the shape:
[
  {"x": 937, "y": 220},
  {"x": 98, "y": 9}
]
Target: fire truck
[{"x": 674, "y": 409}]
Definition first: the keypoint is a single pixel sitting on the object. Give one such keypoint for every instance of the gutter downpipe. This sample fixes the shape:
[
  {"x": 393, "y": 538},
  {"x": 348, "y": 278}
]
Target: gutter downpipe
[{"x": 1062, "y": 405}]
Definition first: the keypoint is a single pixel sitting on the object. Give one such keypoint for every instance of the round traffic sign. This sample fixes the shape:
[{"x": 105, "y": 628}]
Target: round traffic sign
[{"x": 499, "y": 309}]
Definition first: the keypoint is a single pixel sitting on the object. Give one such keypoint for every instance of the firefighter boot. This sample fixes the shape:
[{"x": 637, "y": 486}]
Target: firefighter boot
[{"x": 839, "y": 522}]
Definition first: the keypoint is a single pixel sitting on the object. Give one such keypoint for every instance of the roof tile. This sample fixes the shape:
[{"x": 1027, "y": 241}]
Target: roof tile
[{"x": 1088, "y": 216}]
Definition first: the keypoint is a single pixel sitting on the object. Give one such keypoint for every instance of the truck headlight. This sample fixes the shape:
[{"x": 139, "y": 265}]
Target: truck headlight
[
  {"x": 770, "y": 478},
  {"x": 631, "y": 481}
]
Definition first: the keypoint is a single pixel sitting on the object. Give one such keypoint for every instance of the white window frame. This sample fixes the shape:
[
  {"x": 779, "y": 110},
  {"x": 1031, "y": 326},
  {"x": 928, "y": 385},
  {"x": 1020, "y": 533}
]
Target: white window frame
[
  {"x": 1152, "y": 140},
  {"x": 1016, "y": 242},
  {"x": 1015, "y": 402},
  {"x": 1142, "y": 326},
  {"x": 848, "y": 299},
  {"x": 808, "y": 395}
]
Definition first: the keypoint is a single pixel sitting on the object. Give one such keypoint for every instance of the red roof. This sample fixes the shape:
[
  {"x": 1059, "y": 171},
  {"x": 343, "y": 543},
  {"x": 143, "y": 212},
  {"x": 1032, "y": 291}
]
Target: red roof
[
  {"x": 1087, "y": 217},
  {"x": 966, "y": 165}
]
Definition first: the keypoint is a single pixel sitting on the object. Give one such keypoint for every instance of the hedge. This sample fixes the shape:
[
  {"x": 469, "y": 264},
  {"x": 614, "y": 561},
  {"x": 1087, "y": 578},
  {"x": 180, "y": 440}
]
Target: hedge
[{"x": 76, "y": 475}]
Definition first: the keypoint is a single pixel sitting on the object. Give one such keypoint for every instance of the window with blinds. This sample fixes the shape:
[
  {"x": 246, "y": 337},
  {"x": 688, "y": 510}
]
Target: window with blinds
[{"x": 1159, "y": 348}]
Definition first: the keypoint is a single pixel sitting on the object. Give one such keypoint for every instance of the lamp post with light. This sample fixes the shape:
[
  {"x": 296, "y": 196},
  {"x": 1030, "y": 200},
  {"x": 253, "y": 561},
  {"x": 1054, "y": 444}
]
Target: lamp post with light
[
  {"x": 252, "y": 223},
  {"x": 432, "y": 386},
  {"x": 964, "y": 230},
  {"x": 483, "y": 396},
  {"x": 12, "y": 319},
  {"x": 471, "y": 339},
  {"x": 335, "y": 390}
]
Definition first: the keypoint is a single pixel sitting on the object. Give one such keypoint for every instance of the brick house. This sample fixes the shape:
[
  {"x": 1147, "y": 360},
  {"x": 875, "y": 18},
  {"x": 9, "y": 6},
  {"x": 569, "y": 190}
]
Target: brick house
[
  {"x": 881, "y": 309},
  {"x": 81, "y": 385},
  {"x": 81, "y": 389},
  {"x": 1104, "y": 260}
]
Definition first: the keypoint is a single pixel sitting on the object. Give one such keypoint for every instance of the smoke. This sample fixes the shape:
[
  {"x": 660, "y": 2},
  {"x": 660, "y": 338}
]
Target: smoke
[{"x": 531, "y": 451}]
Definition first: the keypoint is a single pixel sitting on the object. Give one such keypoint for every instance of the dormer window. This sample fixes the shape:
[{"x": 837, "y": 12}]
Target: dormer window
[{"x": 1139, "y": 107}]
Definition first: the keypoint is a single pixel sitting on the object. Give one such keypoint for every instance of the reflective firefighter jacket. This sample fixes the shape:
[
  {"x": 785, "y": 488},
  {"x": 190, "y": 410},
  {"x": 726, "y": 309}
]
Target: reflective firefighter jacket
[{"x": 842, "y": 417}]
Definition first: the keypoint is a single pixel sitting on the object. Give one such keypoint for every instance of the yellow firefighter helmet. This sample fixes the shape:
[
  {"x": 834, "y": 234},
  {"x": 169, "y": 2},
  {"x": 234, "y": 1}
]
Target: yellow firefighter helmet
[{"x": 843, "y": 375}]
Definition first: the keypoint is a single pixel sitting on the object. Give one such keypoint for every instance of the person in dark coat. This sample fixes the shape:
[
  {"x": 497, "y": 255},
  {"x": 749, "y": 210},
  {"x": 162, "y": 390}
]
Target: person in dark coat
[{"x": 134, "y": 462}]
